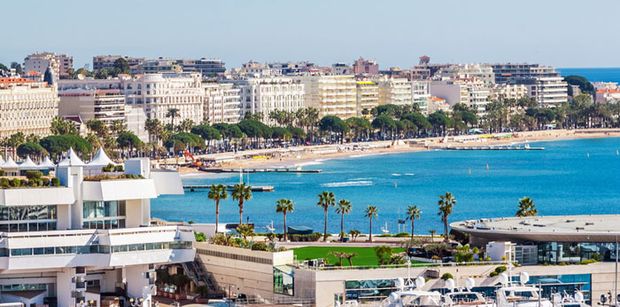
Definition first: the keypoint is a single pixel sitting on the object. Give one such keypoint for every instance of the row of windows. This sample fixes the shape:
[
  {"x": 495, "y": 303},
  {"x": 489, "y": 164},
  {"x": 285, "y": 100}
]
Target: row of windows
[
  {"x": 94, "y": 249},
  {"x": 27, "y": 213},
  {"x": 234, "y": 256}
]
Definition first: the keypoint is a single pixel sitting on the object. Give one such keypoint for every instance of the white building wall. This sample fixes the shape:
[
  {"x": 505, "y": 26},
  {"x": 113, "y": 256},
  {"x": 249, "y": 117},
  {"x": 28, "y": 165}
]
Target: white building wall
[{"x": 264, "y": 95}]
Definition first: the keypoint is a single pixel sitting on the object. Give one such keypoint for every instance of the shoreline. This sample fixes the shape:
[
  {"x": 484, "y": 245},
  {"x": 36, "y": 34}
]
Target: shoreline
[{"x": 314, "y": 155}]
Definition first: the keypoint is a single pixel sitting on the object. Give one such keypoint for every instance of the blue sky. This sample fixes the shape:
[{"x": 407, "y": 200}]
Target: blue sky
[{"x": 562, "y": 33}]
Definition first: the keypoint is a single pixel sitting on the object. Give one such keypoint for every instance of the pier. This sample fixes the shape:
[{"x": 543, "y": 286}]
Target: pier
[
  {"x": 260, "y": 170},
  {"x": 511, "y": 147},
  {"x": 254, "y": 188}
]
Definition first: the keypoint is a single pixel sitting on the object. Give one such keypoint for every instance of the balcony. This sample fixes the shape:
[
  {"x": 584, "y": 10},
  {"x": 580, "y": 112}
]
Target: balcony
[
  {"x": 118, "y": 189},
  {"x": 101, "y": 248},
  {"x": 36, "y": 196}
]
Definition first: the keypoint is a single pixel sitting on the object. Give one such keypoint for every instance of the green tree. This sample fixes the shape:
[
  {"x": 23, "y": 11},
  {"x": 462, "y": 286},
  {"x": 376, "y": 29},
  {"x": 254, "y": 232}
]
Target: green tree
[
  {"x": 370, "y": 213},
  {"x": 207, "y": 132},
  {"x": 446, "y": 205},
  {"x": 526, "y": 207},
  {"x": 334, "y": 125},
  {"x": 413, "y": 213},
  {"x": 184, "y": 140},
  {"x": 217, "y": 193},
  {"x": 61, "y": 126},
  {"x": 241, "y": 193},
  {"x": 14, "y": 140},
  {"x": 57, "y": 144},
  {"x": 343, "y": 207},
  {"x": 584, "y": 85},
  {"x": 384, "y": 254},
  {"x": 439, "y": 120},
  {"x": 284, "y": 206},
  {"x": 31, "y": 149},
  {"x": 326, "y": 200},
  {"x": 245, "y": 231},
  {"x": 385, "y": 124},
  {"x": 121, "y": 66},
  {"x": 186, "y": 125}
]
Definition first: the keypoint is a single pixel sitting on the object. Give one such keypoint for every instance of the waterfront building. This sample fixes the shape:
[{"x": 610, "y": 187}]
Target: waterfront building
[
  {"x": 264, "y": 95},
  {"x": 159, "y": 65},
  {"x": 106, "y": 105},
  {"x": 509, "y": 91},
  {"x": 158, "y": 93},
  {"x": 421, "y": 94},
  {"x": 107, "y": 61},
  {"x": 607, "y": 95},
  {"x": 436, "y": 104},
  {"x": 26, "y": 106},
  {"x": 367, "y": 97},
  {"x": 363, "y": 66},
  {"x": 331, "y": 95},
  {"x": 61, "y": 64},
  {"x": 479, "y": 72},
  {"x": 396, "y": 91},
  {"x": 544, "y": 83},
  {"x": 222, "y": 103},
  {"x": 473, "y": 93},
  {"x": 88, "y": 241}
]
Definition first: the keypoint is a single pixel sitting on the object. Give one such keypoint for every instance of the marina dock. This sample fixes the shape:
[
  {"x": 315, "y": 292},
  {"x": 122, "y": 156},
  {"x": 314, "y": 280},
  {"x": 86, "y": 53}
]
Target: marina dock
[
  {"x": 511, "y": 147},
  {"x": 260, "y": 170},
  {"x": 254, "y": 188}
]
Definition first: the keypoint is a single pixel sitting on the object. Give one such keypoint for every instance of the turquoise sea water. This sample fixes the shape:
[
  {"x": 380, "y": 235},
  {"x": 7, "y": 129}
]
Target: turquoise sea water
[
  {"x": 610, "y": 74},
  {"x": 568, "y": 177}
]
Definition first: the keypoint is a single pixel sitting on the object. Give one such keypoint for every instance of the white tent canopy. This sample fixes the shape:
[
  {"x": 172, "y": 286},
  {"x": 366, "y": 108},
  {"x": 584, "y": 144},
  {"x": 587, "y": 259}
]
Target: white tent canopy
[
  {"x": 9, "y": 164},
  {"x": 1, "y": 160},
  {"x": 47, "y": 163},
  {"x": 28, "y": 164},
  {"x": 72, "y": 159},
  {"x": 100, "y": 159}
]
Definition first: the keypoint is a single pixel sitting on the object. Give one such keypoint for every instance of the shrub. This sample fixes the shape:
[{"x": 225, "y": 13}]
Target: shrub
[
  {"x": 55, "y": 182},
  {"x": 260, "y": 246},
  {"x": 45, "y": 181},
  {"x": 1, "y": 172},
  {"x": 402, "y": 235},
  {"x": 33, "y": 174},
  {"x": 588, "y": 261},
  {"x": 203, "y": 291},
  {"x": 597, "y": 257},
  {"x": 200, "y": 237},
  {"x": 4, "y": 183},
  {"x": 384, "y": 254},
  {"x": 446, "y": 276},
  {"x": 119, "y": 168},
  {"x": 304, "y": 238},
  {"x": 498, "y": 270},
  {"x": 108, "y": 168},
  {"x": 16, "y": 183}
]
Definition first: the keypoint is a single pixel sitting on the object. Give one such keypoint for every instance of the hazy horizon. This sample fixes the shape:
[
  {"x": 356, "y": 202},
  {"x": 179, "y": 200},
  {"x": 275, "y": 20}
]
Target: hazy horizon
[{"x": 567, "y": 34}]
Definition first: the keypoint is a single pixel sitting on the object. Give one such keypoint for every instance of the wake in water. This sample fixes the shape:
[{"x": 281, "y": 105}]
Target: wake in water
[
  {"x": 315, "y": 162},
  {"x": 359, "y": 183}
]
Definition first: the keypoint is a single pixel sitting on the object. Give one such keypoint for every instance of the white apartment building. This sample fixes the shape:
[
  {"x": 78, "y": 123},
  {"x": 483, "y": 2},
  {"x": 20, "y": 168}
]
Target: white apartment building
[
  {"x": 473, "y": 94},
  {"x": 367, "y": 93},
  {"x": 89, "y": 241},
  {"x": 105, "y": 105},
  {"x": 331, "y": 95},
  {"x": 479, "y": 72},
  {"x": 509, "y": 91},
  {"x": 158, "y": 93},
  {"x": 26, "y": 107},
  {"x": 548, "y": 91},
  {"x": 396, "y": 91},
  {"x": 264, "y": 95},
  {"x": 421, "y": 94},
  {"x": 222, "y": 103}
]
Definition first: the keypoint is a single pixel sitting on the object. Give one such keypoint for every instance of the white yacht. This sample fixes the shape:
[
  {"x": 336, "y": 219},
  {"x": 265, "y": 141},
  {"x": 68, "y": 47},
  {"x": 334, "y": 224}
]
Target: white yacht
[
  {"x": 465, "y": 297},
  {"x": 412, "y": 295},
  {"x": 519, "y": 295}
]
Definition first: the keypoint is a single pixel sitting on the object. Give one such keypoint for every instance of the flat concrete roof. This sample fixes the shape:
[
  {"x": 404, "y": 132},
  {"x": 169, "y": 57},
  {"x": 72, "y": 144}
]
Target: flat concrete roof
[{"x": 561, "y": 228}]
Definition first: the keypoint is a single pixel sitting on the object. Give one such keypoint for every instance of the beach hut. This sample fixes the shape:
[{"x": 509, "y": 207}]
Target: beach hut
[
  {"x": 72, "y": 159},
  {"x": 10, "y": 167}
]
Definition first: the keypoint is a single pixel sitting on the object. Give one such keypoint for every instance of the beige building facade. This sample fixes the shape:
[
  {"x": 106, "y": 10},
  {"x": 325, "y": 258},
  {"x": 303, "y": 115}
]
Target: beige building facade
[
  {"x": 27, "y": 107},
  {"x": 331, "y": 94}
]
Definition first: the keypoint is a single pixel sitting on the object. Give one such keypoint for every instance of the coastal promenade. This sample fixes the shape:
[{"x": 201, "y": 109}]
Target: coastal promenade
[{"x": 302, "y": 155}]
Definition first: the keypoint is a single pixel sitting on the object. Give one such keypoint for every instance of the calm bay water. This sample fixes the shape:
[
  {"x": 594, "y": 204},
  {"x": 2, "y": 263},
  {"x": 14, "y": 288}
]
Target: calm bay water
[
  {"x": 568, "y": 177},
  {"x": 611, "y": 74}
]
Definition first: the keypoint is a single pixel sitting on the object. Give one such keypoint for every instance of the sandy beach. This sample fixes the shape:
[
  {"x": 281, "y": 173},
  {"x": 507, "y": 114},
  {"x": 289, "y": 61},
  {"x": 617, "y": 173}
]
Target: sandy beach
[{"x": 308, "y": 155}]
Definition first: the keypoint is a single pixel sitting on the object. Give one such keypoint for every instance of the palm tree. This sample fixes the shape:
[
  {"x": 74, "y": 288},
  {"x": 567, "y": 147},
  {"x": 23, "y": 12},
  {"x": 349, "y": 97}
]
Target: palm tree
[
  {"x": 344, "y": 207},
  {"x": 526, "y": 207},
  {"x": 433, "y": 232},
  {"x": 217, "y": 193},
  {"x": 241, "y": 193},
  {"x": 172, "y": 113},
  {"x": 371, "y": 212},
  {"x": 284, "y": 206},
  {"x": 446, "y": 204},
  {"x": 326, "y": 200},
  {"x": 413, "y": 213}
]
